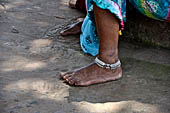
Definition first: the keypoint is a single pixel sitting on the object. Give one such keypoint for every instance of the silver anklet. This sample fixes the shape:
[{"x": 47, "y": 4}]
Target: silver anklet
[{"x": 107, "y": 66}]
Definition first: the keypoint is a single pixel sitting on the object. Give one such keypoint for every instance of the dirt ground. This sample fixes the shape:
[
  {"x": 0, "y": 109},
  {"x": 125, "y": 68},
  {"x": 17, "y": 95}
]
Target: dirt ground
[{"x": 32, "y": 54}]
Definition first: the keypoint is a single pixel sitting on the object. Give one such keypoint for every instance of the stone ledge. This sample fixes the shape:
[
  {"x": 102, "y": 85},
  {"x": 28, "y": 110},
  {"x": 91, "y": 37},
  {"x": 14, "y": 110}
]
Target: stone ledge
[{"x": 149, "y": 31}]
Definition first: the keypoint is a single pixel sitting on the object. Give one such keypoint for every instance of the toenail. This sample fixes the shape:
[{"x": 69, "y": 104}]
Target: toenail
[{"x": 70, "y": 83}]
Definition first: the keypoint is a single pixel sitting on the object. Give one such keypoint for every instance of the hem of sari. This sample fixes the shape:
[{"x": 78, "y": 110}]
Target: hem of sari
[
  {"x": 113, "y": 7},
  {"x": 88, "y": 39}
]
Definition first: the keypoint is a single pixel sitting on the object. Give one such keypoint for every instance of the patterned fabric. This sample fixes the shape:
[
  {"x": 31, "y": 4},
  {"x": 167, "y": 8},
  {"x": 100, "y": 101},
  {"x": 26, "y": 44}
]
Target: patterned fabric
[
  {"x": 89, "y": 39},
  {"x": 157, "y": 9},
  {"x": 117, "y": 7}
]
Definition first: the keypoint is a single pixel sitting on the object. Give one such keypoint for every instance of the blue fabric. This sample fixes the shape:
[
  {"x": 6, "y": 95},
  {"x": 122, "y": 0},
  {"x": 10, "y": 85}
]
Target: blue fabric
[
  {"x": 89, "y": 39},
  {"x": 157, "y": 9}
]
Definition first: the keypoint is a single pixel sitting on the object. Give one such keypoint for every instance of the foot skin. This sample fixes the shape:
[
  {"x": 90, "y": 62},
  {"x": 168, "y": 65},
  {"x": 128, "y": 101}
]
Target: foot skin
[
  {"x": 91, "y": 74},
  {"x": 72, "y": 3},
  {"x": 72, "y": 29}
]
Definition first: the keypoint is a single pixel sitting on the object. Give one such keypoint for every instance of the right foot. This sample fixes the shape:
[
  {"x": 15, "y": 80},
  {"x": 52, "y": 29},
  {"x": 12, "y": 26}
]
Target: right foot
[
  {"x": 91, "y": 74},
  {"x": 72, "y": 29}
]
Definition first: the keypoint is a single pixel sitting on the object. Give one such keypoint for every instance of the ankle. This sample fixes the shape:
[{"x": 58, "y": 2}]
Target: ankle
[{"x": 107, "y": 58}]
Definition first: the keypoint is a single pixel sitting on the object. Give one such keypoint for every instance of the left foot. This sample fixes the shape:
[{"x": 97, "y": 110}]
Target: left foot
[
  {"x": 92, "y": 74},
  {"x": 72, "y": 29}
]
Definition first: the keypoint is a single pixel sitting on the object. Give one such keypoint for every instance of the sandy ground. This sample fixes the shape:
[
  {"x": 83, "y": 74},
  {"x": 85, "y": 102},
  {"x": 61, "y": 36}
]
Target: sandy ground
[{"x": 32, "y": 54}]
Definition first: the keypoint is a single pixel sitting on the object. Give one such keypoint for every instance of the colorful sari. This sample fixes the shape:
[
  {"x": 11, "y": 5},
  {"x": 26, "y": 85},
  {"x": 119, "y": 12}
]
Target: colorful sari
[{"x": 156, "y": 9}]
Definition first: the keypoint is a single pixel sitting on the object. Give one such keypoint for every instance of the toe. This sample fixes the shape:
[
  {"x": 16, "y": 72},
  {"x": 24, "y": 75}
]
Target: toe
[
  {"x": 63, "y": 33},
  {"x": 66, "y": 30},
  {"x": 63, "y": 74},
  {"x": 70, "y": 80},
  {"x": 67, "y": 76}
]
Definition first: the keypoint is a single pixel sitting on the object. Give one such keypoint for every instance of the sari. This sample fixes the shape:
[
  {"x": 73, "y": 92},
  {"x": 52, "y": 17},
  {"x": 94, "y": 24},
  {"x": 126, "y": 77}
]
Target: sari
[{"x": 89, "y": 41}]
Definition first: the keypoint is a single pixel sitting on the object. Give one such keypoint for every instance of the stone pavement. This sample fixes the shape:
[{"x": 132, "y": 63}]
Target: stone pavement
[{"x": 32, "y": 54}]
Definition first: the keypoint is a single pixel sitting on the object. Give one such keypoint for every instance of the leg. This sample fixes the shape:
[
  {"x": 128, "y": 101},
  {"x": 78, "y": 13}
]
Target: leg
[{"x": 107, "y": 27}]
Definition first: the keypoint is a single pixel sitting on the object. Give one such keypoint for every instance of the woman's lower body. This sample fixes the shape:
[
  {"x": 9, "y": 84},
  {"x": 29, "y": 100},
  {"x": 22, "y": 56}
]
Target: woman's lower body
[
  {"x": 155, "y": 9},
  {"x": 100, "y": 32},
  {"x": 151, "y": 8}
]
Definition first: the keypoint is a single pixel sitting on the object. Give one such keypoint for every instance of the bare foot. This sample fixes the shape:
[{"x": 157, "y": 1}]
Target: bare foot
[
  {"x": 91, "y": 74},
  {"x": 72, "y": 3},
  {"x": 72, "y": 29}
]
